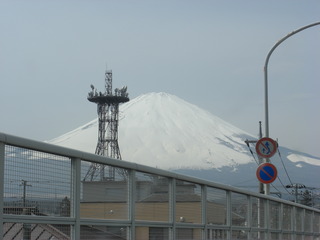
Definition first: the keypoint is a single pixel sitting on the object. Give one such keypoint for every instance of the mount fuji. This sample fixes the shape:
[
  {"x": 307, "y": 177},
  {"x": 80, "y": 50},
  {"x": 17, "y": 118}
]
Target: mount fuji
[{"x": 163, "y": 131}]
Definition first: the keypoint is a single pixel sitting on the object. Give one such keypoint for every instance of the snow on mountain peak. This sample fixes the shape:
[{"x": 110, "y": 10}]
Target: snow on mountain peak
[{"x": 164, "y": 131}]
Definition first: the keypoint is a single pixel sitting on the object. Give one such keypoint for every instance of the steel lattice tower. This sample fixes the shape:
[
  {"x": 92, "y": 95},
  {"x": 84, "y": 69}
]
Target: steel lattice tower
[{"x": 108, "y": 115}]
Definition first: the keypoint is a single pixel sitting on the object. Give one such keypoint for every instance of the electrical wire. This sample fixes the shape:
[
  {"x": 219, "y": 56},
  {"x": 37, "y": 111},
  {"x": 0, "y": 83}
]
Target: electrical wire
[
  {"x": 281, "y": 184},
  {"x": 251, "y": 152},
  {"x": 285, "y": 169},
  {"x": 279, "y": 177},
  {"x": 291, "y": 183},
  {"x": 275, "y": 188}
]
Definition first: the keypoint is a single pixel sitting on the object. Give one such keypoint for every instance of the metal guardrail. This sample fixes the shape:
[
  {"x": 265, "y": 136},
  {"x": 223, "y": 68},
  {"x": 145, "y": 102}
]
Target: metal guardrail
[{"x": 43, "y": 195}]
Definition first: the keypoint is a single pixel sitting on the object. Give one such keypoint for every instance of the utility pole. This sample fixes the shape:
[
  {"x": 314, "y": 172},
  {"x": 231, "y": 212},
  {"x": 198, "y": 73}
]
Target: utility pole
[
  {"x": 261, "y": 187},
  {"x": 25, "y": 185},
  {"x": 26, "y": 226},
  {"x": 296, "y": 187}
]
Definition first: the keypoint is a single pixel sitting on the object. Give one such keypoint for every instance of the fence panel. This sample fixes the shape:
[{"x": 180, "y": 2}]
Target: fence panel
[
  {"x": 216, "y": 208},
  {"x": 188, "y": 202},
  {"x": 258, "y": 207},
  {"x": 36, "y": 183},
  {"x": 151, "y": 197},
  {"x": 239, "y": 209},
  {"x": 103, "y": 198}
]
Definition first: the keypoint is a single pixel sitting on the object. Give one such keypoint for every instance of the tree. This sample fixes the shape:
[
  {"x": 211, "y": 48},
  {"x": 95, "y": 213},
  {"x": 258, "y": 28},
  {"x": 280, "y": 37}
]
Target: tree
[
  {"x": 307, "y": 198},
  {"x": 65, "y": 207}
]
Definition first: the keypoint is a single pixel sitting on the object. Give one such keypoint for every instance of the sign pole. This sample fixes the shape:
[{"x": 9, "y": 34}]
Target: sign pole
[
  {"x": 261, "y": 185},
  {"x": 267, "y": 186},
  {"x": 266, "y": 148}
]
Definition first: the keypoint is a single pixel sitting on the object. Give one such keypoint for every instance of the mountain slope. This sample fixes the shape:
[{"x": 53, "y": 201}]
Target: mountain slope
[{"x": 162, "y": 130}]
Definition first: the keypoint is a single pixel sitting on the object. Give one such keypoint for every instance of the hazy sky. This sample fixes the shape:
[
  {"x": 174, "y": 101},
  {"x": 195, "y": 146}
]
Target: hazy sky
[{"x": 209, "y": 53}]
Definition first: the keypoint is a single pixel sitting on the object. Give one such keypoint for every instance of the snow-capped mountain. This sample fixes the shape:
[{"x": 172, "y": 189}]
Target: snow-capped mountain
[
  {"x": 164, "y": 131},
  {"x": 161, "y": 130}
]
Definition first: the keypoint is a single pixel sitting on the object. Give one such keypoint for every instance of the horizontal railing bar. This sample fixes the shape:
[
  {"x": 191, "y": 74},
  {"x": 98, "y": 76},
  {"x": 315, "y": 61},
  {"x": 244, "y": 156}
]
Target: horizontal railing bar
[
  {"x": 38, "y": 219},
  {"x": 105, "y": 223}
]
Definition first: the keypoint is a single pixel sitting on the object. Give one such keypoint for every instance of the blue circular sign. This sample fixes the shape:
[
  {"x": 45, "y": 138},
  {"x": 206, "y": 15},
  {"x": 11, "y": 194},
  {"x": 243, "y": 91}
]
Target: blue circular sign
[{"x": 266, "y": 173}]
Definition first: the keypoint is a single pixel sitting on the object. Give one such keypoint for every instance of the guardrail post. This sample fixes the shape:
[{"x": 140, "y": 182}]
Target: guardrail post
[
  {"x": 2, "y": 159},
  {"x": 229, "y": 215},
  {"x": 172, "y": 204},
  {"x": 131, "y": 202},
  {"x": 75, "y": 194},
  {"x": 203, "y": 209}
]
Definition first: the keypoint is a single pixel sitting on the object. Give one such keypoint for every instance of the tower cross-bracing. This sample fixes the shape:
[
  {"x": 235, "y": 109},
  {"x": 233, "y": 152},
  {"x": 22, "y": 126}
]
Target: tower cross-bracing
[{"x": 108, "y": 117}]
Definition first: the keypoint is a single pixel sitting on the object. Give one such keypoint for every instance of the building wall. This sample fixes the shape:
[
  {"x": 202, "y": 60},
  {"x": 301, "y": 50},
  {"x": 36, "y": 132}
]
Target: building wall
[
  {"x": 188, "y": 212},
  {"x": 104, "y": 210}
]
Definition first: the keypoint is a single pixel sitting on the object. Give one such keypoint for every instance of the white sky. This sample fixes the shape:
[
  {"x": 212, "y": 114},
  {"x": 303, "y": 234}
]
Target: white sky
[{"x": 209, "y": 53}]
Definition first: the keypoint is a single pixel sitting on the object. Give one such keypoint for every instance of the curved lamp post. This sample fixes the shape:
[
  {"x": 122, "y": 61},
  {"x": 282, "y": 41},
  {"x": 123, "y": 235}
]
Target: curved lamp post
[
  {"x": 266, "y": 186},
  {"x": 266, "y": 72}
]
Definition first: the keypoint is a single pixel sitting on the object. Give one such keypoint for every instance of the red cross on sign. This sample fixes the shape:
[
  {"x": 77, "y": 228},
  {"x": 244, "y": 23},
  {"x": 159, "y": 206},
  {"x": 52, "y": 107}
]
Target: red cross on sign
[{"x": 266, "y": 147}]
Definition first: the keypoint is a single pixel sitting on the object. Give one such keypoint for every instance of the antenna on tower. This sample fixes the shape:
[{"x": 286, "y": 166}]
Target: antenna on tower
[{"x": 108, "y": 117}]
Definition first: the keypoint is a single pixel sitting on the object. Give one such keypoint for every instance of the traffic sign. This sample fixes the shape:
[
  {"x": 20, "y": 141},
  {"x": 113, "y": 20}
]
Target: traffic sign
[
  {"x": 266, "y": 147},
  {"x": 266, "y": 173}
]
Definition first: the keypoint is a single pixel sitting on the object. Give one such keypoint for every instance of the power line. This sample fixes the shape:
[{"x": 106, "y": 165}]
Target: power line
[
  {"x": 285, "y": 169},
  {"x": 281, "y": 184},
  {"x": 248, "y": 144}
]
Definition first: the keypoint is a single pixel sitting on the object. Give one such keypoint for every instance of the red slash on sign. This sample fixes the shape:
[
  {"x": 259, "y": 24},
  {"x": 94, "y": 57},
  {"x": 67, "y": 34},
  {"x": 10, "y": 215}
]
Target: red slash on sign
[{"x": 266, "y": 147}]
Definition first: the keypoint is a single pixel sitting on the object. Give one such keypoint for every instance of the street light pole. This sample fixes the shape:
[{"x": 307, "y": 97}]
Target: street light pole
[
  {"x": 267, "y": 187},
  {"x": 266, "y": 72}
]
